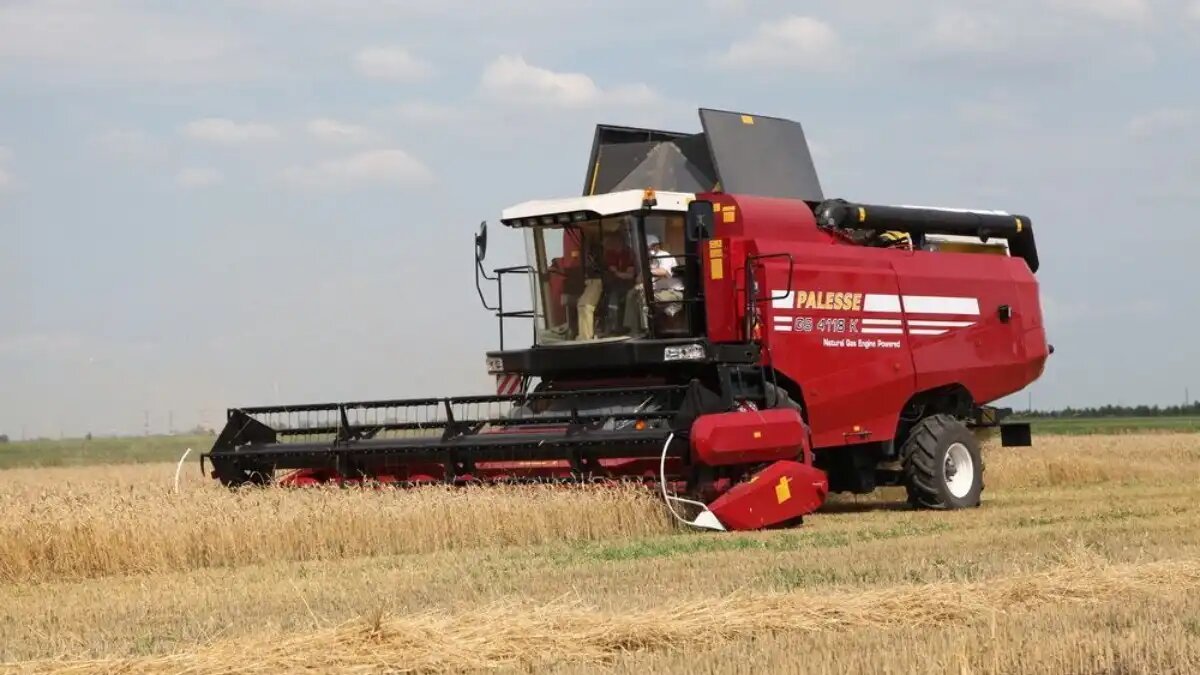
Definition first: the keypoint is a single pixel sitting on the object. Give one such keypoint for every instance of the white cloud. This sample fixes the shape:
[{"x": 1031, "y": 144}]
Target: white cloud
[
  {"x": 997, "y": 110},
  {"x": 429, "y": 112},
  {"x": 800, "y": 42},
  {"x": 373, "y": 167},
  {"x": 391, "y": 63},
  {"x": 198, "y": 177},
  {"x": 1058, "y": 310},
  {"x": 512, "y": 79},
  {"x": 6, "y": 179},
  {"x": 228, "y": 132},
  {"x": 729, "y": 6},
  {"x": 1001, "y": 41},
  {"x": 32, "y": 344},
  {"x": 1124, "y": 11},
  {"x": 332, "y": 131},
  {"x": 965, "y": 31},
  {"x": 1162, "y": 121},
  {"x": 88, "y": 39},
  {"x": 131, "y": 146}
]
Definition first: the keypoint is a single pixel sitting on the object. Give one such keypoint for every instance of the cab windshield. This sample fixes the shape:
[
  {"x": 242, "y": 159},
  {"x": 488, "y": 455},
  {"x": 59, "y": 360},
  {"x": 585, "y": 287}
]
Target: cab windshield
[{"x": 589, "y": 280}]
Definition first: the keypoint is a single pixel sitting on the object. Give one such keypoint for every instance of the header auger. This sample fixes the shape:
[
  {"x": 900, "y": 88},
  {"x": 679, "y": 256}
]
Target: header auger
[{"x": 706, "y": 321}]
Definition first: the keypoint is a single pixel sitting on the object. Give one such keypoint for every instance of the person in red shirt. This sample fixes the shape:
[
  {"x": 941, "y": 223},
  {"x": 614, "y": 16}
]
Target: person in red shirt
[
  {"x": 613, "y": 274},
  {"x": 620, "y": 278}
]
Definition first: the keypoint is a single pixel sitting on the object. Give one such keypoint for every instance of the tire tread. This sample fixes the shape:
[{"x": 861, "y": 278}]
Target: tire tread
[{"x": 920, "y": 460}]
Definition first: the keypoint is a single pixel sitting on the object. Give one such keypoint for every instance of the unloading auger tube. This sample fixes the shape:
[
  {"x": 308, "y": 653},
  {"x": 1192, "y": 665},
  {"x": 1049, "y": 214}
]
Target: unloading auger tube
[
  {"x": 839, "y": 214},
  {"x": 759, "y": 465}
]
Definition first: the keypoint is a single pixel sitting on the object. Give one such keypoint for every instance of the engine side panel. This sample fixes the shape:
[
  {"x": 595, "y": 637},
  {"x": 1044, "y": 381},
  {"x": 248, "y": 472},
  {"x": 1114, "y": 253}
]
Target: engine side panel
[
  {"x": 838, "y": 333},
  {"x": 863, "y": 329},
  {"x": 966, "y": 319}
]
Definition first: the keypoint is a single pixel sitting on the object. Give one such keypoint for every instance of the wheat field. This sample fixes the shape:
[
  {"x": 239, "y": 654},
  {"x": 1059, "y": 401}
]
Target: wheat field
[{"x": 1085, "y": 558}]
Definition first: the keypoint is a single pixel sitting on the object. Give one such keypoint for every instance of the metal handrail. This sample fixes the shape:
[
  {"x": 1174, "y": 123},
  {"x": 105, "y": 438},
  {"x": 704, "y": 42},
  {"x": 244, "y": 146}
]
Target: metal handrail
[
  {"x": 501, "y": 315},
  {"x": 752, "y": 298}
]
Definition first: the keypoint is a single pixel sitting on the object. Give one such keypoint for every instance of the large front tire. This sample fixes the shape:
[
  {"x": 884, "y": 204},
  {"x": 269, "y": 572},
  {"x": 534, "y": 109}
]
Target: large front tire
[{"x": 943, "y": 467}]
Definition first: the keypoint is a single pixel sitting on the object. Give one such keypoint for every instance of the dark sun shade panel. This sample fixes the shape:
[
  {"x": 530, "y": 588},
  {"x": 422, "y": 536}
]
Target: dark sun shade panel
[{"x": 737, "y": 153}]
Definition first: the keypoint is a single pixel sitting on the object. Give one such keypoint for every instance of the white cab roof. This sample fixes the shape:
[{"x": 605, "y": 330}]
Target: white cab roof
[{"x": 608, "y": 204}]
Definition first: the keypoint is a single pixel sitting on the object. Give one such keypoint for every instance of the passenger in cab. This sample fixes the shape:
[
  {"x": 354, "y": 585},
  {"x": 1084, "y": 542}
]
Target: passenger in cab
[{"x": 667, "y": 287}]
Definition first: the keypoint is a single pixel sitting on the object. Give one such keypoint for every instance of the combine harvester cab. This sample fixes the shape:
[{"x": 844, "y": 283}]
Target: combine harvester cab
[{"x": 705, "y": 320}]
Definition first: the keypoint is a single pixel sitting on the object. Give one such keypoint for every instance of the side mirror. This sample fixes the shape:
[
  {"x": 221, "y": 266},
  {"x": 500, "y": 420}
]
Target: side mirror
[
  {"x": 481, "y": 242},
  {"x": 699, "y": 222}
]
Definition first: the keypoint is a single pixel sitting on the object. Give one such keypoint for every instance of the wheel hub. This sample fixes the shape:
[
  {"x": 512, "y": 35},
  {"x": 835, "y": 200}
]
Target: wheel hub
[{"x": 959, "y": 470}]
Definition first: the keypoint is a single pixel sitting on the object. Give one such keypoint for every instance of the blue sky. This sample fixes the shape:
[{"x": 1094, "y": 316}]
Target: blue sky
[{"x": 239, "y": 202}]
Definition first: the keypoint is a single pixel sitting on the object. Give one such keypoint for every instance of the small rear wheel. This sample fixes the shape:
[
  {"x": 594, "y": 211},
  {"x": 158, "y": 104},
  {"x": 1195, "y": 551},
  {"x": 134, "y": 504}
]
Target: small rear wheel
[{"x": 943, "y": 467}]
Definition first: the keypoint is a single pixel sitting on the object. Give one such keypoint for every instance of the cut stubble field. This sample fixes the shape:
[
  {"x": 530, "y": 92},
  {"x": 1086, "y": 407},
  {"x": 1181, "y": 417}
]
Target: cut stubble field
[{"x": 1084, "y": 558}]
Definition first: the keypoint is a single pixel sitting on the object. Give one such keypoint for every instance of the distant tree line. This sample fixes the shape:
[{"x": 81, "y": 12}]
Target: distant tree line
[{"x": 1192, "y": 409}]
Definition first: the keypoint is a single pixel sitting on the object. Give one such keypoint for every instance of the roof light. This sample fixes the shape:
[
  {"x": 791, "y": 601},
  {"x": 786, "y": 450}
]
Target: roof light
[
  {"x": 579, "y": 216},
  {"x": 649, "y": 199}
]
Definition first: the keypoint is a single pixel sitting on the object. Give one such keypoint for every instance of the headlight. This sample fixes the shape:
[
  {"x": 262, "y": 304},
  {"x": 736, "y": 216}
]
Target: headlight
[
  {"x": 684, "y": 353},
  {"x": 495, "y": 365}
]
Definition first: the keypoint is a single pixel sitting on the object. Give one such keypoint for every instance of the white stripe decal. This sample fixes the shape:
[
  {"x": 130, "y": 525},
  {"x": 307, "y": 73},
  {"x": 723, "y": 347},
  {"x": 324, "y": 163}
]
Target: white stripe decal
[
  {"x": 926, "y": 331},
  {"x": 881, "y": 322},
  {"x": 932, "y": 304},
  {"x": 783, "y": 319},
  {"x": 941, "y": 324},
  {"x": 875, "y": 302},
  {"x": 783, "y": 328},
  {"x": 883, "y": 331}
]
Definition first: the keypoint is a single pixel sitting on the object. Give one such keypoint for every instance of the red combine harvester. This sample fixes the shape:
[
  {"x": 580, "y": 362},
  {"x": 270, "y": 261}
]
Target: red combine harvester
[{"x": 705, "y": 320}]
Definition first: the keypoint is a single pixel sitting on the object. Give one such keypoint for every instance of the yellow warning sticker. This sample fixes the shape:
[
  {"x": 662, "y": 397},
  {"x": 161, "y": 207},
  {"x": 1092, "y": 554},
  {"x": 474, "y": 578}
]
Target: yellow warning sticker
[
  {"x": 716, "y": 268},
  {"x": 758, "y": 434},
  {"x": 747, "y": 119},
  {"x": 782, "y": 491},
  {"x": 715, "y": 245}
]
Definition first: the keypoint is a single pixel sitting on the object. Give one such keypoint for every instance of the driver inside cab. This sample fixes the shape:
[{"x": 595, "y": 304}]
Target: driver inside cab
[
  {"x": 666, "y": 285},
  {"x": 609, "y": 272}
]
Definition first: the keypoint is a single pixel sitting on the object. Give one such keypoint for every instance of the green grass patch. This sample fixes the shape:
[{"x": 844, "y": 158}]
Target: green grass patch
[
  {"x": 81, "y": 452},
  {"x": 1114, "y": 425},
  {"x": 689, "y": 544}
]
